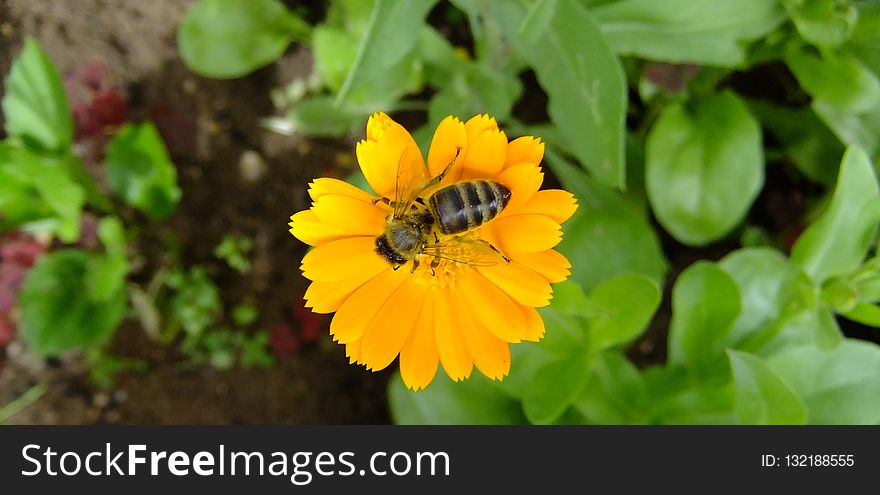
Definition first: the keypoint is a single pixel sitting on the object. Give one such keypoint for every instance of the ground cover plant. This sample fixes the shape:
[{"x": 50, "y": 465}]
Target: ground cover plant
[{"x": 722, "y": 154}]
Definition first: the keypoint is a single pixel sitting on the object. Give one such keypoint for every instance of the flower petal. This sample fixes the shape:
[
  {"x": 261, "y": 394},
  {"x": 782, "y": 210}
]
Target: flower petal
[
  {"x": 450, "y": 135},
  {"x": 550, "y": 263},
  {"x": 534, "y": 324},
  {"x": 451, "y": 348},
  {"x": 327, "y": 185},
  {"x": 353, "y": 352},
  {"x": 522, "y": 284},
  {"x": 356, "y": 313},
  {"x": 326, "y": 297},
  {"x": 387, "y": 147},
  {"x": 487, "y": 148},
  {"x": 392, "y": 325},
  {"x": 497, "y": 313},
  {"x": 349, "y": 214},
  {"x": 524, "y": 233},
  {"x": 523, "y": 180},
  {"x": 306, "y": 227},
  {"x": 343, "y": 258},
  {"x": 555, "y": 203},
  {"x": 525, "y": 149},
  {"x": 418, "y": 357},
  {"x": 491, "y": 355}
]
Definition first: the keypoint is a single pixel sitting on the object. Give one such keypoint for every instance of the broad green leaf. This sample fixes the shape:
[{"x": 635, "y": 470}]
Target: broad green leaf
[
  {"x": 35, "y": 103},
  {"x": 225, "y": 39},
  {"x": 476, "y": 89},
  {"x": 705, "y": 303},
  {"x": 139, "y": 169},
  {"x": 569, "y": 298},
  {"x": 609, "y": 235},
  {"x": 815, "y": 150},
  {"x": 826, "y": 331},
  {"x": 823, "y": 22},
  {"x": 629, "y": 303},
  {"x": 57, "y": 314},
  {"x": 858, "y": 129},
  {"x": 677, "y": 397},
  {"x": 46, "y": 182},
  {"x": 841, "y": 386},
  {"x": 444, "y": 402},
  {"x": 837, "y": 243},
  {"x": 759, "y": 274},
  {"x": 586, "y": 88},
  {"x": 615, "y": 393},
  {"x": 836, "y": 79},
  {"x": 554, "y": 387},
  {"x": 705, "y": 166},
  {"x": 390, "y": 35},
  {"x": 762, "y": 398},
  {"x": 334, "y": 51},
  {"x": 106, "y": 274},
  {"x": 710, "y": 32},
  {"x": 320, "y": 116},
  {"x": 866, "y": 314}
]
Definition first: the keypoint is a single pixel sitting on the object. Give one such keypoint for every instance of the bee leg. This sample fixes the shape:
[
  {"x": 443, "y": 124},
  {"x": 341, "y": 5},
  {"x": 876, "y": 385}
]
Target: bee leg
[
  {"x": 395, "y": 267},
  {"x": 415, "y": 266},
  {"x": 436, "y": 180},
  {"x": 434, "y": 264},
  {"x": 496, "y": 250},
  {"x": 436, "y": 239},
  {"x": 382, "y": 199}
]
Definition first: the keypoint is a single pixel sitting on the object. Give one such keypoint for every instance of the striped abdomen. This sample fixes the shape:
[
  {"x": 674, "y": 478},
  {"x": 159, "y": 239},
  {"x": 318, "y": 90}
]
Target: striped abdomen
[{"x": 465, "y": 205}]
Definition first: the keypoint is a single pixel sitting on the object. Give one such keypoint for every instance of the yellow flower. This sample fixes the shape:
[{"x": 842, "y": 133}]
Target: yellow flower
[{"x": 457, "y": 314}]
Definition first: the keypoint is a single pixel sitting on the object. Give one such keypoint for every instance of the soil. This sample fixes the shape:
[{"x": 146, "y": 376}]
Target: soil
[{"x": 237, "y": 178}]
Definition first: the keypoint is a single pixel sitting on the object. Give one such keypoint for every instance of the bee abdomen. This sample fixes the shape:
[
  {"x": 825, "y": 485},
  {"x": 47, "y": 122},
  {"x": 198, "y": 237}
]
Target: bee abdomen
[{"x": 465, "y": 205}]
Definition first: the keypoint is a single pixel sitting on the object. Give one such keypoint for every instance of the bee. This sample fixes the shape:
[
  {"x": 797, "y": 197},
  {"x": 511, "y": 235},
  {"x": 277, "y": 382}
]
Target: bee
[{"x": 420, "y": 213}]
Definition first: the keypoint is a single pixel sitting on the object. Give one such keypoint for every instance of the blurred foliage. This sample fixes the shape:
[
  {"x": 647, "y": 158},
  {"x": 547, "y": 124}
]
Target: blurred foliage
[{"x": 76, "y": 296}]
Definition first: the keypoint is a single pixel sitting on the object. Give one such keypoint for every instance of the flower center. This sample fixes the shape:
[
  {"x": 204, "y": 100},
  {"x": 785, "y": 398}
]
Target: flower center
[{"x": 439, "y": 276}]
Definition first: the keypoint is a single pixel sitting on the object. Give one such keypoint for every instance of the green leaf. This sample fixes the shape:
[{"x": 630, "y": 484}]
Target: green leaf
[
  {"x": 473, "y": 402},
  {"x": 837, "y": 243},
  {"x": 586, "y": 88},
  {"x": 629, "y": 303},
  {"x": 319, "y": 116},
  {"x": 224, "y": 39},
  {"x": 762, "y": 398},
  {"x": 37, "y": 186},
  {"x": 57, "y": 314},
  {"x": 705, "y": 303},
  {"x": 554, "y": 387},
  {"x": 823, "y": 22},
  {"x": 836, "y": 79},
  {"x": 334, "y": 51},
  {"x": 139, "y": 169},
  {"x": 106, "y": 274},
  {"x": 35, "y": 103},
  {"x": 709, "y": 32},
  {"x": 390, "y": 36},
  {"x": 677, "y": 397},
  {"x": 806, "y": 139},
  {"x": 859, "y": 129},
  {"x": 477, "y": 88},
  {"x": 615, "y": 394},
  {"x": 705, "y": 166},
  {"x": 608, "y": 226},
  {"x": 839, "y": 387},
  {"x": 866, "y": 314},
  {"x": 759, "y": 274}
]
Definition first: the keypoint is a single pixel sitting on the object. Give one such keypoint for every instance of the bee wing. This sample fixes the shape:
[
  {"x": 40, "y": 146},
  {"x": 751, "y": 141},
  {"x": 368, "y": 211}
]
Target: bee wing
[
  {"x": 467, "y": 250},
  {"x": 408, "y": 184}
]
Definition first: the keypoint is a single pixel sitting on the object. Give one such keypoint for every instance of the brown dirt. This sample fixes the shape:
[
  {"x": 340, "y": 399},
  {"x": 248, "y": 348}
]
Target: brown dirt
[{"x": 213, "y": 125}]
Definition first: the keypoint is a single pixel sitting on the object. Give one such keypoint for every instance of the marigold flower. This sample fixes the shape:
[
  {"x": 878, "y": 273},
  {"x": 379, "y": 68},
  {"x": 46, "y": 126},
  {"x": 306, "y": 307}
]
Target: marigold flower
[{"x": 438, "y": 309}]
